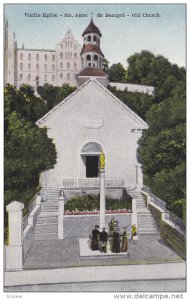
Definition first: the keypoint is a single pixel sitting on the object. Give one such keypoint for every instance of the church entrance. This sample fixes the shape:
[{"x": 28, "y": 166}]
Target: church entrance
[
  {"x": 90, "y": 154},
  {"x": 92, "y": 166}
]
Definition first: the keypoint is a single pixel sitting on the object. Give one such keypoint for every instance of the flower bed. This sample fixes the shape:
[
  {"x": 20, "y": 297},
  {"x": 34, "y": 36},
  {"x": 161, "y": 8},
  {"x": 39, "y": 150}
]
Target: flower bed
[{"x": 96, "y": 212}]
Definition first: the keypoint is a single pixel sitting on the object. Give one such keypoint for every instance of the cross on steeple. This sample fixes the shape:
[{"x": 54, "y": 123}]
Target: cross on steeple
[{"x": 92, "y": 15}]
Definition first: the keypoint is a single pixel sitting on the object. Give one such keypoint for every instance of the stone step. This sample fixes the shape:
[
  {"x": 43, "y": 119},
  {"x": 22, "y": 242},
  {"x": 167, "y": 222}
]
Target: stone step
[
  {"x": 43, "y": 232},
  {"x": 40, "y": 225},
  {"x": 147, "y": 231},
  {"x": 45, "y": 239}
]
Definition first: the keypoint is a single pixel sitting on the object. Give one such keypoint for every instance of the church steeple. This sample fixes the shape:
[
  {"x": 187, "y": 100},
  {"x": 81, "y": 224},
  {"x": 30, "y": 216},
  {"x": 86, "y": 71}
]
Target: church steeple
[{"x": 91, "y": 55}]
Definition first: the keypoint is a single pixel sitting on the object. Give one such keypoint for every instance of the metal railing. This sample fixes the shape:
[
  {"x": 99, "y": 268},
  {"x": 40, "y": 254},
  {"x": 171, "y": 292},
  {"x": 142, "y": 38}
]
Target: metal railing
[
  {"x": 92, "y": 183},
  {"x": 168, "y": 214}
]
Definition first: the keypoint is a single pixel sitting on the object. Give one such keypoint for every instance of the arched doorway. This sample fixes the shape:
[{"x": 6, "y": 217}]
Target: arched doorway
[{"x": 90, "y": 156}]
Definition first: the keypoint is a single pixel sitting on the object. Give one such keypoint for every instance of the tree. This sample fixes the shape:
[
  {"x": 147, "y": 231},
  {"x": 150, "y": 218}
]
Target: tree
[
  {"x": 28, "y": 150},
  {"x": 117, "y": 73},
  {"x": 162, "y": 149},
  {"x": 52, "y": 95}
]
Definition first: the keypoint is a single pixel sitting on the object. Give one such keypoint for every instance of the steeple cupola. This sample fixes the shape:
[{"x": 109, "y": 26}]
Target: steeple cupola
[{"x": 91, "y": 55}]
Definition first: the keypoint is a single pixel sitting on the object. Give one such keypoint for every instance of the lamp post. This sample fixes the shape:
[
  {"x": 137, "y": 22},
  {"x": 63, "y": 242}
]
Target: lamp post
[{"x": 102, "y": 191}]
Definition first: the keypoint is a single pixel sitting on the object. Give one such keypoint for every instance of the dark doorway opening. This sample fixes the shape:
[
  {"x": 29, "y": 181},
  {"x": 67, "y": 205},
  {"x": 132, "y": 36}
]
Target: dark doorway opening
[{"x": 92, "y": 166}]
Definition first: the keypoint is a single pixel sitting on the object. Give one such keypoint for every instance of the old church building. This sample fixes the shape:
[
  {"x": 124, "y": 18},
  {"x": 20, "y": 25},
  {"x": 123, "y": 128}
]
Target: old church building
[{"x": 89, "y": 121}]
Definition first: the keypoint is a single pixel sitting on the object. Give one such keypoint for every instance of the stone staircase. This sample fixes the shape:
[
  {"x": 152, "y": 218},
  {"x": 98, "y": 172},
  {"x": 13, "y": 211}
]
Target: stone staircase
[
  {"x": 46, "y": 227},
  {"x": 145, "y": 221}
]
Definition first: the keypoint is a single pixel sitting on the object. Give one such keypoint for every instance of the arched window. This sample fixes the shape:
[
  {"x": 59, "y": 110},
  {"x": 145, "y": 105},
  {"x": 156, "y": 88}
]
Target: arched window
[
  {"x": 37, "y": 56},
  {"x": 53, "y": 67},
  {"x": 53, "y": 57},
  {"x": 29, "y": 77},
  {"x": 68, "y": 76},
  {"x": 21, "y": 56},
  {"x": 21, "y": 66},
  {"x": 95, "y": 57},
  {"x": 95, "y": 39},
  {"x": 70, "y": 55},
  {"x": 61, "y": 75},
  {"x": 75, "y": 47},
  {"x": 29, "y": 66},
  {"x": 21, "y": 76},
  {"x": 68, "y": 66},
  {"x": 53, "y": 77},
  {"x": 45, "y": 67},
  {"x": 37, "y": 67},
  {"x": 88, "y": 57},
  {"x": 29, "y": 56},
  {"x": 61, "y": 55},
  {"x": 75, "y": 66},
  {"x": 61, "y": 65},
  {"x": 45, "y": 77},
  {"x": 65, "y": 55},
  {"x": 89, "y": 38},
  {"x": 75, "y": 56},
  {"x": 45, "y": 57}
]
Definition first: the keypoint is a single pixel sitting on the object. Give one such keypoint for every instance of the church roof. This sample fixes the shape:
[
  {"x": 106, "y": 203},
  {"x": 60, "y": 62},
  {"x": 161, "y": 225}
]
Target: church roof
[
  {"x": 90, "y": 47},
  {"x": 92, "y": 28},
  {"x": 92, "y": 72},
  {"x": 140, "y": 123}
]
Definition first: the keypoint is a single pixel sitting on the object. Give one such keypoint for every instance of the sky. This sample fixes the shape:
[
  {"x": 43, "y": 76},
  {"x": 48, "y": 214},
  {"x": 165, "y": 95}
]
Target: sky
[{"x": 164, "y": 34}]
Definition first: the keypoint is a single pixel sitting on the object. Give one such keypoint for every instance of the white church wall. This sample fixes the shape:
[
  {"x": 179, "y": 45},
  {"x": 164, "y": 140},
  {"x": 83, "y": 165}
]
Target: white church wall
[{"x": 70, "y": 131}]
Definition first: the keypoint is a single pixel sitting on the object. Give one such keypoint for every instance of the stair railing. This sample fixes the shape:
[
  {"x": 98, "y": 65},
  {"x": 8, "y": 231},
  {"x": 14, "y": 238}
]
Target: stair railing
[{"x": 168, "y": 214}]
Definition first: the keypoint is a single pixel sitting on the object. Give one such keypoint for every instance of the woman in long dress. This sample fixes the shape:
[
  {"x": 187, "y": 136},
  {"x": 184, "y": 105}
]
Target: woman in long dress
[
  {"x": 124, "y": 245},
  {"x": 116, "y": 241}
]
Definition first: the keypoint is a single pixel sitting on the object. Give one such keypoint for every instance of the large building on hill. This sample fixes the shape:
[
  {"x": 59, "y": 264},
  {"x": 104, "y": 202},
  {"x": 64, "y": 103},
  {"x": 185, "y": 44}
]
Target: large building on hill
[
  {"x": 39, "y": 66},
  {"x": 60, "y": 65},
  {"x": 89, "y": 121}
]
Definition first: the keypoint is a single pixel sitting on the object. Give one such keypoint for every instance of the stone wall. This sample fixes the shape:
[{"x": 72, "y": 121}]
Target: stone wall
[
  {"x": 157, "y": 213},
  {"x": 174, "y": 238},
  {"x": 28, "y": 239},
  {"x": 171, "y": 234}
]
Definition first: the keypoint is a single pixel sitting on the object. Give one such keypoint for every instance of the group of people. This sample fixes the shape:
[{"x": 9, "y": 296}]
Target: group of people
[{"x": 118, "y": 242}]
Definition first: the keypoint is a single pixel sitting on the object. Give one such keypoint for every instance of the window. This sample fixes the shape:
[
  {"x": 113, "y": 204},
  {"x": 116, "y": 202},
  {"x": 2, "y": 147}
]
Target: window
[
  {"x": 75, "y": 56},
  {"x": 61, "y": 75},
  {"x": 29, "y": 77},
  {"x": 95, "y": 57},
  {"x": 88, "y": 57},
  {"x": 29, "y": 56},
  {"x": 37, "y": 67},
  {"x": 68, "y": 76},
  {"x": 61, "y": 55},
  {"x": 45, "y": 57},
  {"x": 65, "y": 55},
  {"x": 21, "y": 66},
  {"x": 29, "y": 66},
  {"x": 21, "y": 76},
  {"x": 45, "y": 67},
  {"x": 75, "y": 47},
  {"x": 68, "y": 66},
  {"x": 45, "y": 77},
  {"x": 89, "y": 38},
  {"x": 75, "y": 66},
  {"x": 53, "y": 57},
  {"x": 53, "y": 77},
  {"x": 61, "y": 65},
  {"x": 94, "y": 39},
  {"x": 21, "y": 56},
  {"x": 37, "y": 56},
  {"x": 70, "y": 55},
  {"x": 53, "y": 67}
]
